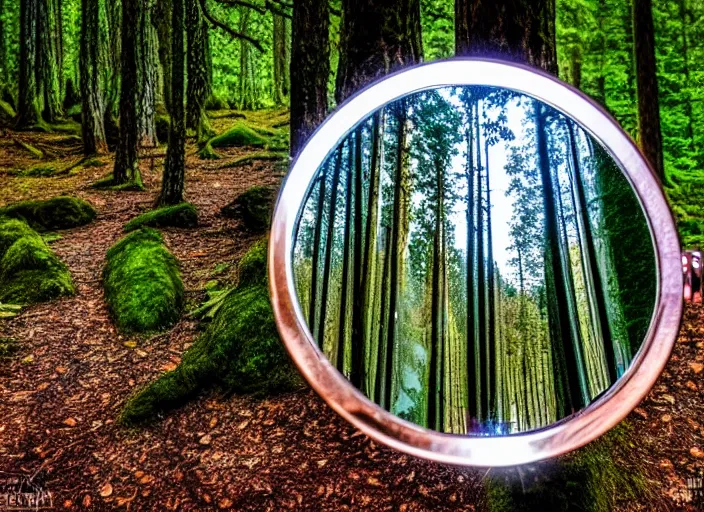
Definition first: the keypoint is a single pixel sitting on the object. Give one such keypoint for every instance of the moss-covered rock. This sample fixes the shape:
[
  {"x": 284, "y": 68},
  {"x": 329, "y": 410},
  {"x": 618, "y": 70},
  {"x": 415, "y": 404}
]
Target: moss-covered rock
[
  {"x": 240, "y": 351},
  {"x": 29, "y": 270},
  {"x": 142, "y": 281},
  {"x": 253, "y": 208},
  {"x": 182, "y": 215},
  {"x": 55, "y": 213},
  {"x": 238, "y": 136}
]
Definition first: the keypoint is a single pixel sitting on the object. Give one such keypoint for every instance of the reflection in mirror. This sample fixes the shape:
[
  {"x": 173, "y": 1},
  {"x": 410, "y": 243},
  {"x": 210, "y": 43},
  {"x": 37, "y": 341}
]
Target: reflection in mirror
[{"x": 474, "y": 262}]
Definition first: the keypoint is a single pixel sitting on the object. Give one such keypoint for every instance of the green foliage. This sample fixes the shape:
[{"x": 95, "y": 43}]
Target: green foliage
[
  {"x": 591, "y": 480},
  {"x": 253, "y": 208},
  {"x": 142, "y": 283},
  {"x": 240, "y": 351},
  {"x": 30, "y": 272},
  {"x": 182, "y": 215},
  {"x": 57, "y": 213},
  {"x": 40, "y": 171}
]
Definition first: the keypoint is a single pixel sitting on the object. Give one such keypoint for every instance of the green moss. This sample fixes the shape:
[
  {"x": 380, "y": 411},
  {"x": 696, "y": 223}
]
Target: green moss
[
  {"x": 591, "y": 479},
  {"x": 108, "y": 183},
  {"x": 252, "y": 267},
  {"x": 40, "y": 171},
  {"x": 30, "y": 272},
  {"x": 182, "y": 215},
  {"x": 263, "y": 156},
  {"x": 239, "y": 135},
  {"x": 55, "y": 213},
  {"x": 7, "y": 113},
  {"x": 253, "y": 208},
  {"x": 240, "y": 351},
  {"x": 208, "y": 153},
  {"x": 8, "y": 347},
  {"x": 142, "y": 281}
]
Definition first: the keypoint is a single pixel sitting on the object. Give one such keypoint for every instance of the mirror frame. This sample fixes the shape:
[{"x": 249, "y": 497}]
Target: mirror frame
[{"x": 563, "y": 436}]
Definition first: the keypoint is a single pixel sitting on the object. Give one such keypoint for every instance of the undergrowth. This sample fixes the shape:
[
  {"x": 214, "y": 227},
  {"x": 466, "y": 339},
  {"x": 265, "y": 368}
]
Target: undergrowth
[{"x": 183, "y": 215}]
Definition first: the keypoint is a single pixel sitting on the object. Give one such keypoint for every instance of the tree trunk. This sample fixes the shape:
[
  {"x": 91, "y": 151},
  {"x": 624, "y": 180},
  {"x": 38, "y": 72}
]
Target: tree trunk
[
  {"x": 93, "y": 130},
  {"x": 345, "y": 290},
  {"x": 473, "y": 383},
  {"x": 282, "y": 58},
  {"x": 126, "y": 165},
  {"x": 161, "y": 20},
  {"x": 357, "y": 372},
  {"x": 376, "y": 37},
  {"x": 309, "y": 71},
  {"x": 199, "y": 70},
  {"x": 317, "y": 236},
  {"x": 485, "y": 398},
  {"x": 174, "y": 168},
  {"x": 649, "y": 131},
  {"x": 493, "y": 397},
  {"x": 48, "y": 71},
  {"x": 518, "y": 30},
  {"x": 28, "y": 102},
  {"x": 147, "y": 76}
]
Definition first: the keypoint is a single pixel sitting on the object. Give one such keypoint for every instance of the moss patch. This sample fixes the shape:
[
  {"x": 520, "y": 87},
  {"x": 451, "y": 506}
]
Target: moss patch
[
  {"x": 253, "y": 208},
  {"x": 590, "y": 479},
  {"x": 8, "y": 347},
  {"x": 182, "y": 215},
  {"x": 56, "y": 213},
  {"x": 240, "y": 351},
  {"x": 142, "y": 283},
  {"x": 7, "y": 113},
  {"x": 239, "y": 135},
  {"x": 108, "y": 183},
  {"x": 30, "y": 272},
  {"x": 41, "y": 171}
]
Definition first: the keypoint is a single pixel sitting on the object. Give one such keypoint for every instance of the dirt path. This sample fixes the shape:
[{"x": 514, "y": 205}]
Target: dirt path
[{"x": 60, "y": 396}]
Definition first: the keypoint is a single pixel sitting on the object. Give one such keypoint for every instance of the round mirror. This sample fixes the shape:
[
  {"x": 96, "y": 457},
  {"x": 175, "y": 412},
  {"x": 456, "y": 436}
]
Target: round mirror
[{"x": 471, "y": 262}]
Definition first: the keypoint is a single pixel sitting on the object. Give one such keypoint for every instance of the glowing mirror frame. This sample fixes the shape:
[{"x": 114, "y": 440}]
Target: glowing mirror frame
[{"x": 382, "y": 426}]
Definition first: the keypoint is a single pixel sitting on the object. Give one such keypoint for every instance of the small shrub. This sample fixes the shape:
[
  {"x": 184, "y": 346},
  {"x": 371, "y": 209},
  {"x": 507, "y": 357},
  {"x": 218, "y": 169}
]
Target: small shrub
[
  {"x": 253, "y": 208},
  {"x": 56, "y": 213},
  {"x": 142, "y": 281},
  {"x": 30, "y": 272},
  {"x": 182, "y": 215},
  {"x": 240, "y": 351}
]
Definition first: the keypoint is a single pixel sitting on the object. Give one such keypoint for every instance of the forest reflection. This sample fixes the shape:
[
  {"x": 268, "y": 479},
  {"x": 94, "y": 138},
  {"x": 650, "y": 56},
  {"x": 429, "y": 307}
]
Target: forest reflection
[{"x": 474, "y": 262}]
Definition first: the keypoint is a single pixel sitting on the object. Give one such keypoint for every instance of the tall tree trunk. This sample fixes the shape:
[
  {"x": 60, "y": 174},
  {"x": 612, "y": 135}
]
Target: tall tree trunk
[
  {"x": 199, "y": 70},
  {"x": 172, "y": 183},
  {"x": 247, "y": 80},
  {"x": 485, "y": 398},
  {"x": 161, "y": 21},
  {"x": 435, "y": 387},
  {"x": 357, "y": 372},
  {"x": 317, "y": 236},
  {"x": 376, "y": 37},
  {"x": 473, "y": 382},
  {"x": 28, "y": 102},
  {"x": 380, "y": 381},
  {"x": 282, "y": 58},
  {"x": 93, "y": 130},
  {"x": 309, "y": 71},
  {"x": 517, "y": 30},
  {"x": 112, "y": 48},
  {"x": 126, "y": 165},
  {"x": 327, "y": 258},
  {"x": 398, "y": 243},
  {"x": 4, "y": 69},
  {"x": 649, "y": 131},
  {"x": 493, "y": 373},
  {"x": 344, "y": 291},
  {"x": 48, "y": 71},
  {"x": 147, "y": 76}
]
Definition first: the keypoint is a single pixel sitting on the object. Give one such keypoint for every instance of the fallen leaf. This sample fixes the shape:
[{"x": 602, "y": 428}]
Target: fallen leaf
[
  {"x": 691, "y": 385},
  {"x": 146, "y": 479},
  {"x": 669, "y": 399},
  {"x": 640, "y": 412},
  {"x": 61, "y": 370},
  {"x": 71, "y": 422},
  {"x": 106, "y": 490},
  {"x": 666, "y": 418},
  {"x": 697, "y": 452},
  {"x": 696, "y": 367},
  {"x": 86, "y": 501},
  {"x": 205, "y": 440},
  {"x": 130, "y": 344},
  {"x": 225, "y": 503}
]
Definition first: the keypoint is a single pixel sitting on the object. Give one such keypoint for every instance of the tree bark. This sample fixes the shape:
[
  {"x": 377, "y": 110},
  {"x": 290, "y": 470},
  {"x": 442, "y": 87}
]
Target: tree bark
[
  {"x": 649, "y": 131},
  {"x": 309, "y": 71},
  {"x": 161, "y": 20},
  {"x": 376, "y": 37},
  {"x": 28, "y": 102},
  {"x": 48, "y": 71},
  {"x": 126, "y": 165},
  {"x": 147, "y": 76},
  {"x": 282, "y": 57},
  {"x": 93, "y": 129},
  {"x": 174, "y": 169},
  {"x": 199, "y": 70}
]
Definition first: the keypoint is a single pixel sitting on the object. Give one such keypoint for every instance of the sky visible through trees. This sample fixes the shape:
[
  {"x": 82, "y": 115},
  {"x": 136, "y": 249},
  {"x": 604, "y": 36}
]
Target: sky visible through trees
[{"x": 494, "y": 295}]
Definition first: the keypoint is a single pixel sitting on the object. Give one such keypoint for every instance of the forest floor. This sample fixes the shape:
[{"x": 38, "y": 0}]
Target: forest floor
[{"x": 61, "y": 393}]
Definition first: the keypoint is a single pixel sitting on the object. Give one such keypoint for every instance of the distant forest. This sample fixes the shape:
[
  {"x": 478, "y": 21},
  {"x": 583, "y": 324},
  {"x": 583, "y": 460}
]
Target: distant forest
[{"x": 397, "y": 273}]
